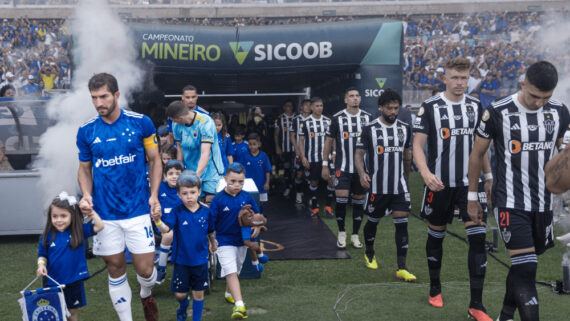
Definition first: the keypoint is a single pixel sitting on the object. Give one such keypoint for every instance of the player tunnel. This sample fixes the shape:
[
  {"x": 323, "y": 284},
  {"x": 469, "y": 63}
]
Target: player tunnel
[{"x": 264, "y": 65}]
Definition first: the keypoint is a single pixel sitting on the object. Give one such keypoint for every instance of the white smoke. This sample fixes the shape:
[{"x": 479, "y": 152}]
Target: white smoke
[{"x": 101, "y": 44}]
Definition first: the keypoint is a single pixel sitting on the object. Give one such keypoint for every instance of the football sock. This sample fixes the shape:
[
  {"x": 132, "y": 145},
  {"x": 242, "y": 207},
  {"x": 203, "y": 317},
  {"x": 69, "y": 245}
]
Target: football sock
[
  {"x": 147, "y": 284},
  {"x": 313, "y": 192},
  {"x": 239, "y": 303},
  {"x": 298, "y": 185},
  {"x": 184, "y": 304},
  {"x": 434, "y": 253},
  {"x": 509, "y": 304},
  {"x": 477, "y": 263},
  {"x": 369, "y": 235},
  {"x": 340, "y": 212},
  {"x": 357, "y": 211},
  {"x": 287, "y": 175},
  {"x": 163, "y": 256},
  {"x": 197, "y": 308},
  {"x": 401, "y": 237},
  {"x": 121, "y": 296},
  {"x": 523, "y": 268},
  {"x": 330, "y": 195}
]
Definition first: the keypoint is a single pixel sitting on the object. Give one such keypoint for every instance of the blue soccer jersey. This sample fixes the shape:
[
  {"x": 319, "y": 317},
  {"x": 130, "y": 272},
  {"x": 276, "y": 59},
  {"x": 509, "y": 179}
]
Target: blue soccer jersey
[
  {"x": 202, "y": 130},
  {"x": 198, "y": 109},
  {"x": 225, "y": 209},
  {"x": 168, "y": 198},
  {"x": 238, "y": 150},
  {"x": 190, "y": 234},
  {"x": 64, "y": 264},
  {"x": 117, "y": 154},
  {"x": 256, "y": 167}
]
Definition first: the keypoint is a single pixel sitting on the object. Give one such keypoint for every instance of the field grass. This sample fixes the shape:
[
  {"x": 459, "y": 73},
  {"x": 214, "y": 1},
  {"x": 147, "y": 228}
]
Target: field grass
[{"x": 319, "y": 289}]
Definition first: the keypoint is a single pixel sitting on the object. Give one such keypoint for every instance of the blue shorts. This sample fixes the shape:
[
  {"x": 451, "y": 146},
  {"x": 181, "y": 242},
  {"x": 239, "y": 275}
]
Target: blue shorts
[
  {"x": 186, "y": 278},
  {"x": 209, "y": 187},
  {"x": 74, "y": 294}
]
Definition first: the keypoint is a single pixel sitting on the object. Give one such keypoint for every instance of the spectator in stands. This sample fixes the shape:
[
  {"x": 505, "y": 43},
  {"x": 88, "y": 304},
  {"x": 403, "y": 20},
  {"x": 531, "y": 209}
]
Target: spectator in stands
[
  {"x": 10, "y": 80},
  {"x": 488, "y": 90},
  {"x": 49, "y": 73},
  {"x": 8, "y": 91},
  {"x": 31, "y": 88}
]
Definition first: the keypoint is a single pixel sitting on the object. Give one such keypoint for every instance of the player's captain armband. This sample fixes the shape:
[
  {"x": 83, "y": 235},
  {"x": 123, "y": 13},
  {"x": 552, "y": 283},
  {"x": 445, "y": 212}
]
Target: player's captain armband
[{"x": 150, "y": 142}]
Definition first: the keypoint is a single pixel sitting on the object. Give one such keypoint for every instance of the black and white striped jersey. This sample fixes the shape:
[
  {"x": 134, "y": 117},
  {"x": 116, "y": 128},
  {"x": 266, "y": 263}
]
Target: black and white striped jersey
[
  {"x": 524, "y": 141},
  {"x": 297, "y": 121},
  {"x": 345, "y": 129},
  {"x": 284, "y": 124},
  {"x": 385, "y": 146},
  {"x": 450, "y": 129},
  {"x": 314, "y": 130}
]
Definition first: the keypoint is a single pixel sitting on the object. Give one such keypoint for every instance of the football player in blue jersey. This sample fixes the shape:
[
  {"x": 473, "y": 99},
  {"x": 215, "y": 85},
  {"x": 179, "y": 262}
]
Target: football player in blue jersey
[
  {"x": 113, "y": 147},
  {"x": 225, "y": 208},
  {"x": 197, "y": 144},
  {"x": 193, "y": 229},
  {"x": 61, "y": 251},
  {"x": 190, "y": 98}
]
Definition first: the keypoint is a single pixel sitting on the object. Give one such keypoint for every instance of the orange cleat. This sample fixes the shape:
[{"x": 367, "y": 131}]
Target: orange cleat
[
  {"x": 479, "y": 315},
  {"x": 436, "y": 301}
]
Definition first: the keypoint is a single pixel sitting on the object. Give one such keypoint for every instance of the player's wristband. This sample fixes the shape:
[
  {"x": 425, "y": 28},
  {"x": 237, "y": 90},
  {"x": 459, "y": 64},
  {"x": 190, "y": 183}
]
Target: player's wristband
[
  {"x": 41, "y": 261},
  {"x": 325, "y": 163},
  {"x": 488, "y": 176},
  {"x": 472, "y": 196},
  {"x": 159, "y": 223}
]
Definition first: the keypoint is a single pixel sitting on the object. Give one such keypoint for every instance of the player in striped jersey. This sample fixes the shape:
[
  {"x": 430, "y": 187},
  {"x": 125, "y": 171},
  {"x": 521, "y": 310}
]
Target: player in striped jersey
[
  {"x": 525, "y": 129},
  {"x": 312, "y": 136},
  {"x": 283, "y": 146},
  {"x": 447, "y": 122},
  {"x": 385, "y": 141},
  {"x": 295, "y": 133},
  {"x": 346, "y": 126},
  {"x": 557, "y": 170},
  {"x": 113, "y": 148}
]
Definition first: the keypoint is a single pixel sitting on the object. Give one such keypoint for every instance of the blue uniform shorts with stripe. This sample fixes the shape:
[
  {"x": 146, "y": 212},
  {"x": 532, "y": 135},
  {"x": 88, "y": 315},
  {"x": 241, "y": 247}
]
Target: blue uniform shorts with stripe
[
  {"x": 186, "y": 278},
  {"x": 74, "y": 294}
]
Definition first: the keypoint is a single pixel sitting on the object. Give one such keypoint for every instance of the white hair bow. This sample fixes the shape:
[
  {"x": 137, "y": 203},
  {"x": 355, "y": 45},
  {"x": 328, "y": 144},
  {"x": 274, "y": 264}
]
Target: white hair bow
[{"x": 71, "y": 200}]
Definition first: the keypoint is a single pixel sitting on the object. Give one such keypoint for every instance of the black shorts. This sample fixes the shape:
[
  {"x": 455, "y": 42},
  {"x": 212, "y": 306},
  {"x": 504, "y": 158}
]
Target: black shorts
[
  {"x": 380, "y": 205},
  {"x": 186, "y": 278},
  {"x": 438, "y": 207},
  {"x": 287, "y": 157},
  {"x": 348, "y": 181},
  {"x": 521, "y": 229},
  {"x": 314, "y": 171},
  {"x": 74, "y": 294}
]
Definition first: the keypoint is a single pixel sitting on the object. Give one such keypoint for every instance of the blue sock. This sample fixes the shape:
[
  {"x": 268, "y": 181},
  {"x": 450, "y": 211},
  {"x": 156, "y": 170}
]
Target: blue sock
[
  {"x": 197, "y": 307},
  {"x": 184, "y": 303}
]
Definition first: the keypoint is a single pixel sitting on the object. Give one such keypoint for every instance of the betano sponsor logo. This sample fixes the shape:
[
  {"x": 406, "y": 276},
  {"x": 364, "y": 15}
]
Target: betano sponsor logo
[
  {"x": 376, "y": 92},
  {"x": 516, "y": 146}
]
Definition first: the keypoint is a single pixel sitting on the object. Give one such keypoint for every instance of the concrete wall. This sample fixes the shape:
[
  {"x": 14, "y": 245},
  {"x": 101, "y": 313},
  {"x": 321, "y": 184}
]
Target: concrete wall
[{"x": 365, "y": 8}]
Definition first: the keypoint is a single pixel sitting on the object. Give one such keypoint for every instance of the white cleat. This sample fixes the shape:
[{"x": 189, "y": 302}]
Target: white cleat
[
  {"x": 564, "y": 238},
  {"x": 341, "y": 240},
  {"x": 299, "y": 198},
  {"x": 355, "y": 241},
  {"x": 286, "y": 192}
]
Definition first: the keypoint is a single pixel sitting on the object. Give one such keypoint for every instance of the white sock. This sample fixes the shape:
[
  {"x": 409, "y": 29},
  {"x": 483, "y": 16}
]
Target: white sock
[
  {"x": 239, "y": 303},
  {"x": 147, "y": 284},
  {"x": 254, "y": 262},
  {"x": 121, "y": 295},
  {"x": 163, "y": 255},
  {"x": 227, "y": 294},
  {"x": 260, "y": 255}
]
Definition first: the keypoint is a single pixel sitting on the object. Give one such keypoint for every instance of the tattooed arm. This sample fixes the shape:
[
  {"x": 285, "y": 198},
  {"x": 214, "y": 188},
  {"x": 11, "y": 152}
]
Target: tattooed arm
[{"x": 557, "y": 172}]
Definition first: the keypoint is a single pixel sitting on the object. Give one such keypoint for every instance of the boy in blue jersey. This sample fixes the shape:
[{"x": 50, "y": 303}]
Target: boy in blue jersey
[
  {"x": 197, "y": 144},
  {"x": 239, "y": 146},
  {"x": 168, "y": 197},
  {"x": 257, "y": 167},
  {"x": 112, "y": 176},
  {"x": 193, "y": 228},
  {"x": 231, "y": 253}
]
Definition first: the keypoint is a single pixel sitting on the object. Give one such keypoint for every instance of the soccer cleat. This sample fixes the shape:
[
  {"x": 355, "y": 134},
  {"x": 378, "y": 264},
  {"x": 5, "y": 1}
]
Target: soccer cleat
[
  {"x": 150, "y": 309},
  {"x": 436, "y": 301},
  {"x": 479, "y": 315},
  {"x": 263, "y": 259},
  {"x": 371, "y": 264},
  {"x": 229, "y": 299},
  {"x": 328, "y": 212},
  {"x": 258, "y": 267},
  {"x": 355, "y": 241},
  {"x": 299, "y": 198},
  {"x": 160, "y": 276},
  {"x": 341, "y": 240},
  {"x": 403, "y": 274},
  {"x": 181, "y": 314},
  {"x": 239, "y": 313},
  {"x": 286, "y": 192},
  {"x": 315, "y": 212}
]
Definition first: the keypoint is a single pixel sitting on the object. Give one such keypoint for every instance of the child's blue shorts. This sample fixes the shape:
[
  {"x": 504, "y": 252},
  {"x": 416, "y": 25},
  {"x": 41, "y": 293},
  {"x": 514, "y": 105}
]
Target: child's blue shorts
[
  {"x": 186, "y": 278},
  {"x": 74, "y": 294}
]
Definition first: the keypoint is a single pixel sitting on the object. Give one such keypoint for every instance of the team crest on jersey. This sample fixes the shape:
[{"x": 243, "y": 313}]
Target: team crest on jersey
[
  {"x": 549, "y": 124},
  {"x": 428, "y": 209},
  {"x": 470, "y": 114},
  {"x": 421, "y": 111},
  {"x": 371, "y": 208},
  {"x": 195, "y": 134},
  {"x": 401, "y": 135},
  {"x": 506, "y": 236},
  {"x": 486, "y": 116}
]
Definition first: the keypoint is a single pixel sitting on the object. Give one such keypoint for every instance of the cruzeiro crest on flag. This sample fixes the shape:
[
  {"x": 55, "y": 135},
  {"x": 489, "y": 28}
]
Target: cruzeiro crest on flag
[
  {"x": 241, "y": 49},
  {"x": 381, "y": 82}
]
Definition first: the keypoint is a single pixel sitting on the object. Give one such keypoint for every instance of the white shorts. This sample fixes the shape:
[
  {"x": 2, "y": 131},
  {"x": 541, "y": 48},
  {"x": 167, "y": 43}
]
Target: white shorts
[
  {"x": 134, "y": 233},
  {"x": 263, "y": 197},
  {"x": 231, "y": 259}
]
